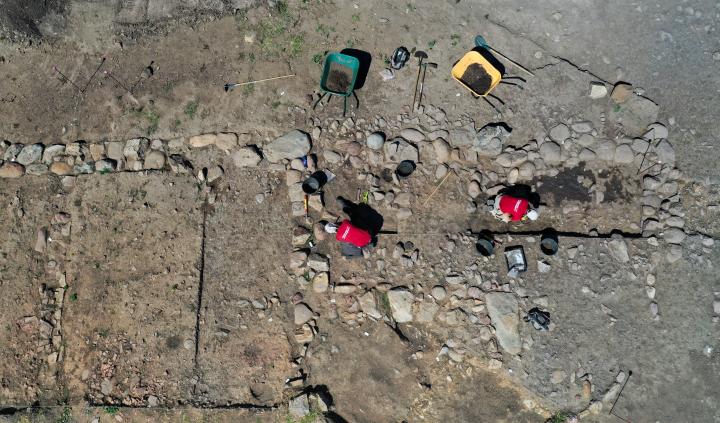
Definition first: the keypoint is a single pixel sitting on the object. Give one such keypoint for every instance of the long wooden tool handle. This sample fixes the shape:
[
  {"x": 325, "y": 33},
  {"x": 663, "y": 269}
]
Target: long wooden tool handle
[
  {"x": 511, "y": 61},
  {"x": 263, "y": 80},
  {"x": 437, "y": 187}
]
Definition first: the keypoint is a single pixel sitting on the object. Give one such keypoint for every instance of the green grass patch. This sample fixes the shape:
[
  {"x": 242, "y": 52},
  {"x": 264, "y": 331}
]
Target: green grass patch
[
  {"x": 311, "y": 417},
  {"x": 559, "y": 417},
  {"x": 191, "y": 108},
  {"x": 66, "y": 416},
  {"x": 248, "y": 89},
  {"x": 275, "y": 105},
  {"x": 296, "y": 44},
  {"x": 385, "y": 304},
  {"x": 112, "y": 410},
  {"x": 324, "y": 30},
  {"x": 454, "y": 39},
  {"x": 431, "y": 44},
  {"x": 73, "y": 296},
  {"x": 356, "y": 18},
  {"x": 152, "y": 117},
  {"x": 319, "y": 57}
]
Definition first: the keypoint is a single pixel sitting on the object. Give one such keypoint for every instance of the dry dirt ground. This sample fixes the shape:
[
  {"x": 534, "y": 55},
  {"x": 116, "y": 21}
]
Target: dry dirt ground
[{"x": 152, "y": 276}]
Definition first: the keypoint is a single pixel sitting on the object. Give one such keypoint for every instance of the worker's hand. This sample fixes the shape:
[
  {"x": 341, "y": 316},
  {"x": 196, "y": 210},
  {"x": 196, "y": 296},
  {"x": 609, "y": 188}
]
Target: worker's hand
[{"x": 506, "y": 218}]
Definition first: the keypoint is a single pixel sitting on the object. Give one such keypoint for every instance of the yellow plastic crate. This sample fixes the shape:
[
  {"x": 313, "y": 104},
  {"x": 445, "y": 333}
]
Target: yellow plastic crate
[{"x": 474, "y": 57}]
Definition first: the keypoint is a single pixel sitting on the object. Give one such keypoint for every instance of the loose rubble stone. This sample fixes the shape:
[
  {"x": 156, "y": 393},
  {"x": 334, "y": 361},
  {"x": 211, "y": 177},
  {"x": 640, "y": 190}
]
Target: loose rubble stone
[
  {"x": 489, "y": 139},
  {"x": 226, "y": 141},
  {"x": 586, "y": 140},
  {"x": 413, "y": 135},
  {"x": 474, "y": 189},
  {"x": 440, "y": 133},
  {"x": 247, "y": 156},
  {"x": 557, "y": 377},
  {"x": 438, "y": 292},
  {"x": 401, "y": 301},
  {"x": 375, "y": 140},
  {"x": 621, "y": 92},
  {"x": 598, "y": 90},
  {"x": 332, "y": 157},
  {"x": 297, "y": 259},
  {"x": 53, "y": 151},
  {"x": 318, "y": 263},
  {"x": 30, "y": 154},
  {"x": 656, "y": 131},
  {"x": 442, "y": 150},
  {"x": 36, "y": 169},
  {"x": 97, "y": 150},
  {"x": 135, "y": 149},
  {"x": 115, "y": 150},
  {"x": 60, "y": 168},
  {"x": 474, "y": 292},
  {"x": 214, "y": 173},
  {"x": 551, "y": 152},
  {"x": 153, "y": 401},
  {"x": 668, "y": 189},
  {"x": 403, "y": 213},
  {"x": 398, "y": 150},
  {"x": 503, "y": 311},
  {"x": 618, "y": 250},
  {"x": 605, "y": 150},
  {"x": 583, "y": 127},
  {"x": 204, "y": 140},
  {"x": 426, "y": 312},
  {"x": 560, "y": 133},
  {"x": 587, "y": 155},
  {"x": 462, "y": 137},
  {"x": 289, "y": 146},
  {"x": 303, "y": 314},
  {"x": 12, "y": 152},
  {"x": 624, "y": 154},
  {"x": 368, "y": 305},
  {"x": 154, "y": 160},
  {"x": 674, "y": 253},
  {"x": 299, "y": 407},
  {"x": 11, "y": 170},
  {"x": 637, "y": 113},
  {"x": 527, "y": 170},
  {"x": 665, "y": 152},
  {"x": 105, "y": 165},
  {"x": 513, "y": 176},
  {"x": 106, "y": 387},
  {"x": 674, "y": 236}
]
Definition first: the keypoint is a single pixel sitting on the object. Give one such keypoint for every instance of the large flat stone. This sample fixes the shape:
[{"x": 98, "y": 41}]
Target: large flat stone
[{"x": 503, "y": 311}]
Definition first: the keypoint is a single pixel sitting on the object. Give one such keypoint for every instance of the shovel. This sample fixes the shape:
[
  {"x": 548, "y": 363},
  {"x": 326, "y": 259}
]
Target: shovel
[
  {"x": 422, "y": 80},
  {"x": 480, "y": 42}
]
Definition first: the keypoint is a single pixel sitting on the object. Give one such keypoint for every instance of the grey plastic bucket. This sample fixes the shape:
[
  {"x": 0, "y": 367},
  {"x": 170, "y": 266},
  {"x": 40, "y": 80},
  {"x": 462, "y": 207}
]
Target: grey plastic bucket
[
  {"x": 485, "y": 247},
  {"x": 405, "y": 169},
  {"x": 549, "y": 245},
  {"x": 314, "y": 182}
]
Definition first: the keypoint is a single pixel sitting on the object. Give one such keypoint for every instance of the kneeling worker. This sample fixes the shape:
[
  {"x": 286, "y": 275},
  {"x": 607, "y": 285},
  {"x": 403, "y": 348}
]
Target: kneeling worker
[
  {"x": 346, "y": 232},
  {"x": 507, "y": 208}
]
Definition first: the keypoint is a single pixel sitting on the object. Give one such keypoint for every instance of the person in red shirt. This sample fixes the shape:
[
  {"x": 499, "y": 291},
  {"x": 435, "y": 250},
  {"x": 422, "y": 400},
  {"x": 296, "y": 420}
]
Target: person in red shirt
[
  {"x": 361, "y": 228},
  {"x": 347, "y": 232},
  {"x": 508, "y": 208}
]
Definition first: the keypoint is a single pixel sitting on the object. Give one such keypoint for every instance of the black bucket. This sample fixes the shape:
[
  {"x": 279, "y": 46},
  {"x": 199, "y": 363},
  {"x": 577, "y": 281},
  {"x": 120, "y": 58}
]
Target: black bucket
[
  {"x": 485, "y": 247},
  {"x": 405, "y": 169},
  {"x": 549, "y": 244},
  {"x": 314, "y": 182}
]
